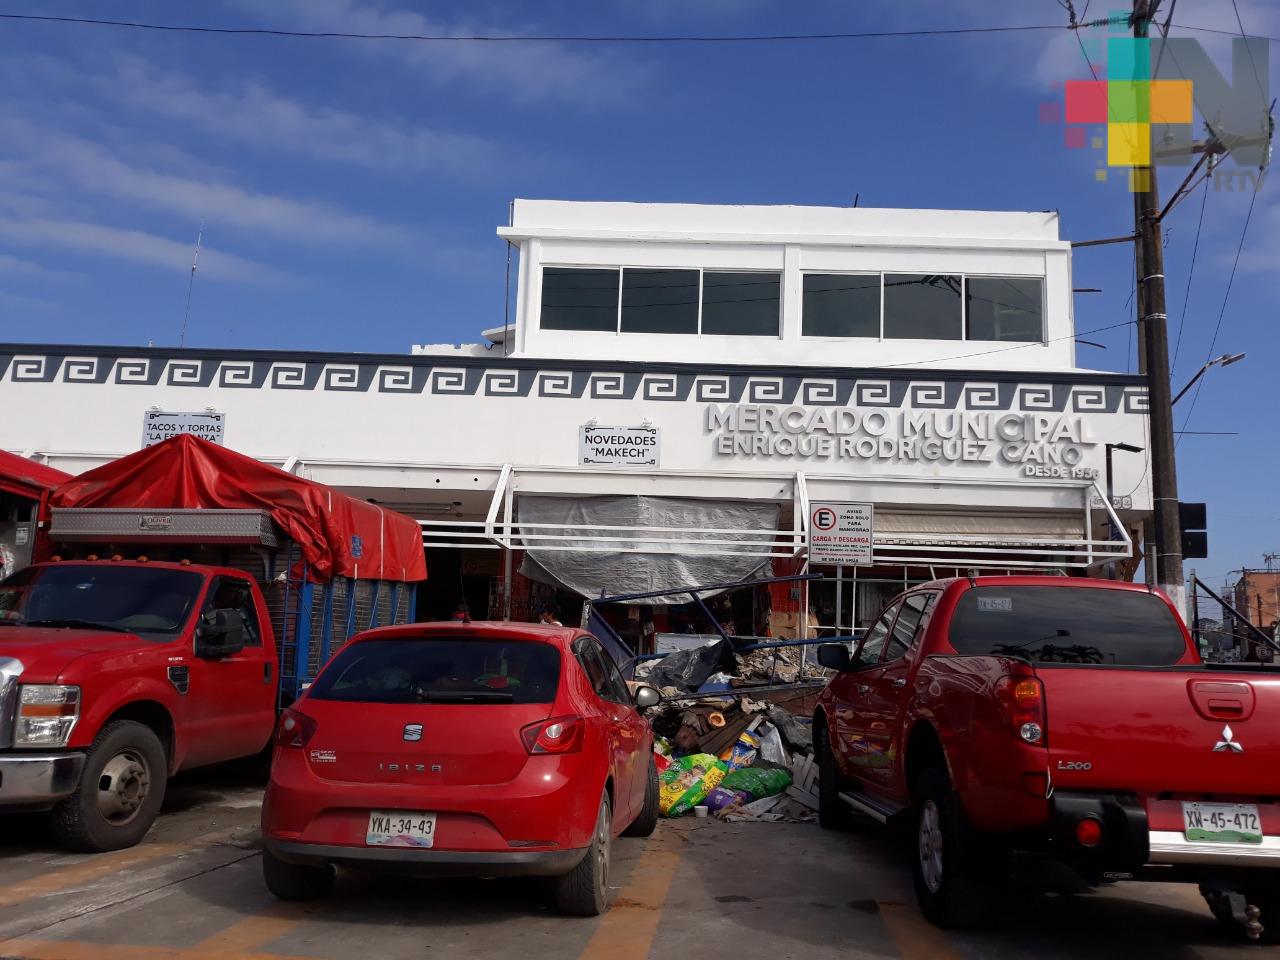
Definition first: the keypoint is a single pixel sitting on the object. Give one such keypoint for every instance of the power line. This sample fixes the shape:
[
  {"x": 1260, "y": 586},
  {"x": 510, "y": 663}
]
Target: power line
[
  {"x": 1191, "y": 272},
  {"x": 508, "y": 38},
  {"x": 1244, "y": 231},
  {"x": 1017, "y": 346},
  {"x": 1256, "y": 78}
]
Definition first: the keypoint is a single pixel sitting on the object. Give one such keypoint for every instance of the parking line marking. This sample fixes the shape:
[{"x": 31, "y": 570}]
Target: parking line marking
[
  {"x": 101, "y": 865},
  {"x": 626, "y": 932},
  {"x": 914, "y": 936},
  {"x": 81, "y": 950},
  {"x": 244, "y": 936}
]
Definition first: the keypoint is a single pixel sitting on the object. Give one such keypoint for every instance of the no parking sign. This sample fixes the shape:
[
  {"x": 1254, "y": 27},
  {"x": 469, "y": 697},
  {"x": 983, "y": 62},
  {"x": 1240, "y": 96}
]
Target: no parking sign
[{"x": 840, "y": 532}]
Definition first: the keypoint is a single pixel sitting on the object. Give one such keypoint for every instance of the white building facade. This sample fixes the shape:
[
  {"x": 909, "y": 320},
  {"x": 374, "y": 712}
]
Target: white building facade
[{"x": 678, "y": 387}]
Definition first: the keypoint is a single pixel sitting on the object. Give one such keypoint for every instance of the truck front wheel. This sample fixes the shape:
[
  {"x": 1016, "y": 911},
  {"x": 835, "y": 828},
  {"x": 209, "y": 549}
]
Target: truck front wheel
[
  {"x": 119, "y": 793},
  {"x": 956, "y": 885}
]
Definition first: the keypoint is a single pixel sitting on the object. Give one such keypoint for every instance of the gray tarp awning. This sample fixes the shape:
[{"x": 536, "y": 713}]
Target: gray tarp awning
[{"x": 590, "y": 567}]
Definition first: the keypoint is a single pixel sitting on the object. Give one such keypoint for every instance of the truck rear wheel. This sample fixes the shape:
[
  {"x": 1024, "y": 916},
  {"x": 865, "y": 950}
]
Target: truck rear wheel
[
  {"x": 955, "y": 888},
  {"x": 833, "y": 813},
  {"x": 120, "y": 790}
]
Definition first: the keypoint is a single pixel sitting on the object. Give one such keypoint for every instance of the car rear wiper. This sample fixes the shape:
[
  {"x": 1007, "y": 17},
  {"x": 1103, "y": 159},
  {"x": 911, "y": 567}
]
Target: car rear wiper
[
  {"x": 462, "y": 696},
  {"x": 74, "y": 624}
]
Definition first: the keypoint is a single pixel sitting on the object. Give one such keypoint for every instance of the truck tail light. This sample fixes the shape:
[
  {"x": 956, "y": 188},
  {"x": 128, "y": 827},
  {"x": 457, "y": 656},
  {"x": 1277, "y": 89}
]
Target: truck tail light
[
  {"x": 556, "y": 735},
  {"x": 1089, "y": 832},
  {"x": 1023, "y": 701},
  {"x": 295, "y": 729}
]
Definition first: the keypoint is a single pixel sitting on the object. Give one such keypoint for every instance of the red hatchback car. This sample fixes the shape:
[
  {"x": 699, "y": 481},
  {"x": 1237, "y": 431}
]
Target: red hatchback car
[{"x": 486, "y": 749}]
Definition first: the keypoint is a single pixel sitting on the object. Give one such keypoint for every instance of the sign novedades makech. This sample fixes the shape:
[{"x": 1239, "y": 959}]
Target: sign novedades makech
[{"x": 618, "y": 446}]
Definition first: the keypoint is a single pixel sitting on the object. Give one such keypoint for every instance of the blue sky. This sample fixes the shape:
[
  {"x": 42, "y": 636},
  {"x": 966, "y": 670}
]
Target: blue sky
[{"x": 350, "y": 189}]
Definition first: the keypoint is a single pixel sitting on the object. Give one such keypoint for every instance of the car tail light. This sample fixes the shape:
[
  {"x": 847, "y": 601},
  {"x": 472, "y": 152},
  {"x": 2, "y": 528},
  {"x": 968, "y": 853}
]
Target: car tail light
[
  {"x": 295, "y": 729},
  {"x": 1023, "y": 702},
  {"x": 556, "y": 735}
]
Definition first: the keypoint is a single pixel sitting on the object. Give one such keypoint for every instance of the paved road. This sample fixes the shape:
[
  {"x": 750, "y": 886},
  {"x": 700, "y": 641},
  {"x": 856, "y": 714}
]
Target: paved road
[{"x": 193, "y": 891}]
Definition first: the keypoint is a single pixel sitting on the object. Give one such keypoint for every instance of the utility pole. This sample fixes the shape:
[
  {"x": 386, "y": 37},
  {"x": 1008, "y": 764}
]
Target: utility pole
[{"x": 1153, "y": 324}]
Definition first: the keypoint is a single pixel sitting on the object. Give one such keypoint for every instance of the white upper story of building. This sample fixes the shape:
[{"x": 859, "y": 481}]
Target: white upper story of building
[{"x": 787, "y": 285}]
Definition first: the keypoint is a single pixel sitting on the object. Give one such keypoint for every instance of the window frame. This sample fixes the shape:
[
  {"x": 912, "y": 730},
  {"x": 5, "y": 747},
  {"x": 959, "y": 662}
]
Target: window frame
[
  {"x": 253, "y": 628},
  {"x": 891, "y": 611},
  {"x": 964, "y": 276},
  {"x": 1004, "y": 276},
  {"x": 926, "y": 614},
  {"x": 612, "y": 676},
  {"x": 701, "y": 271}
]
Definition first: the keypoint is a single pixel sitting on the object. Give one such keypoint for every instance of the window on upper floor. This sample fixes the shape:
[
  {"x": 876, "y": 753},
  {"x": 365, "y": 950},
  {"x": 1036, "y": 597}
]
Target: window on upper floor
[
  {"x": 741, "y": 304},
  {"x": 1004, "y": 308},
  {"x": 923, "y": 306},
  {"x": 579, "y": 298},
  {"x": 841, "y": 305},
  {"x": 659, "y": 301}
]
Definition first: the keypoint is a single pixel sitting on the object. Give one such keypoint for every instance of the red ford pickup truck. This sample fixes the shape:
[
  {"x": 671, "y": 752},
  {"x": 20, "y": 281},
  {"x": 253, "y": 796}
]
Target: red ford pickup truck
[
  {"x": 1062, "y": 718},
  {"x": 116, "y": 674}
]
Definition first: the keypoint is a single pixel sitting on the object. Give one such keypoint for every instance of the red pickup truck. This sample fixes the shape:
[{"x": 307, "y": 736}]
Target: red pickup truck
[
  {"x": 1062, "y": 718},
  {"x": 116, "y": 674}
]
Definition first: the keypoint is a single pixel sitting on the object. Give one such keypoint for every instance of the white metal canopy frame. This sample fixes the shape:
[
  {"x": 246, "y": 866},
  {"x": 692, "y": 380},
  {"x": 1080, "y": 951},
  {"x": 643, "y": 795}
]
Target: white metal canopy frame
[{"x": 1055, "y": 548}]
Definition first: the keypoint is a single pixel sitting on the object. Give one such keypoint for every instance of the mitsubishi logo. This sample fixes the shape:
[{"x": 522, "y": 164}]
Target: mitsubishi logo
[
  {"x": 1226, "y": 744},
  {"x": 413, "y": 731}
]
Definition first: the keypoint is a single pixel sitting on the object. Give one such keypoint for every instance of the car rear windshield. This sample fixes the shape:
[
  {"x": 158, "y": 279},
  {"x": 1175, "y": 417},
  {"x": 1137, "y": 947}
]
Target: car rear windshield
[
  {"x": 1068, "y": 625},
  {"x": 441, "y": 670}
]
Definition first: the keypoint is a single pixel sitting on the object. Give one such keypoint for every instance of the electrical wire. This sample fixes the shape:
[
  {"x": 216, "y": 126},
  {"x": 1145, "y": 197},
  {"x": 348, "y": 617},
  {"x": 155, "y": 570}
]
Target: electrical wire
[
  {"x": 1256, "y": 78},
  {"x": 1191, "y": 272},
  {"x": 507, "y": 38},
  {"x": 1244, "y": 232}
]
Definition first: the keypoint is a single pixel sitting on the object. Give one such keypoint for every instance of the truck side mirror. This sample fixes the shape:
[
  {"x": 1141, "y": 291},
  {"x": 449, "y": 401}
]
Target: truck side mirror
[
  {"x": 834, "y": 656},
  {"x": 220, "y": 633}
]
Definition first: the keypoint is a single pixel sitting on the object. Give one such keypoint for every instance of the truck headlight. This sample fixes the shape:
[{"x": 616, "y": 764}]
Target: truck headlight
[{"x": 47, "y": 713}]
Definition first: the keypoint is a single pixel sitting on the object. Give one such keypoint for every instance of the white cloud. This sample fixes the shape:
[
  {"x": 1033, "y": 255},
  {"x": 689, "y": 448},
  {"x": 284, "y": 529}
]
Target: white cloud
[
  {"x": 253, "y": 115},
  {"x": 526, "y": 71},
  {"x": 135, "y": 246},
  {"x": 87, "y": 167},
  {"x": 17, "y": 267}
]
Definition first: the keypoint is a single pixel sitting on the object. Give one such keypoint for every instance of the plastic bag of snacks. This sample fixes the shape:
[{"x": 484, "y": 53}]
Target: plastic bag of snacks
[
  {"x": 719, "y": 798},
  {"x": 688, "y": 780},
  {"x": 743, "y": 751},
  {"x": 757, "y": 781}
]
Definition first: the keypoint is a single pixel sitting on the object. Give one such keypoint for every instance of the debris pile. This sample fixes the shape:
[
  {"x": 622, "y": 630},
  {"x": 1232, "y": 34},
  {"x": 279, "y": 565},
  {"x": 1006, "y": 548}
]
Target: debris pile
[{"x": 735, "y": 758}]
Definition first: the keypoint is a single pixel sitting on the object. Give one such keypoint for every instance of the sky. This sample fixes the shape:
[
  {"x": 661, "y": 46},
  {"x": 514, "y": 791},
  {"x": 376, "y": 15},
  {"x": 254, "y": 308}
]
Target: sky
[{"x": 349, "y": 189}]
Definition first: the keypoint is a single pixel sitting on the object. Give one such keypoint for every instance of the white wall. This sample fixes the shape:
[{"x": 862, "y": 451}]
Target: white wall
[{"x": 792, "y": 240}]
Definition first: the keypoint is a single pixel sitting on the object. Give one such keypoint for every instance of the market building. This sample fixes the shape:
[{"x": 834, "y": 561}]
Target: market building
[{"x": 680, "y": 393}]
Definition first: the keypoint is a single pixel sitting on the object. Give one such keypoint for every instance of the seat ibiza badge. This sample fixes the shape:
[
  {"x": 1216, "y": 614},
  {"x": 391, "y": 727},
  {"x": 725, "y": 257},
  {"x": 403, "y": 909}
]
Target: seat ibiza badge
[{"x": 413, "y": 731}]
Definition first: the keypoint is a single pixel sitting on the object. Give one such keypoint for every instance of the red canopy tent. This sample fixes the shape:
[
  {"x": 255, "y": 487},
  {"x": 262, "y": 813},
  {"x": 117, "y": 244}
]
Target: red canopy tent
[
  {"x": 339, "y": 535},
  {"x": 26, "y": 478}
]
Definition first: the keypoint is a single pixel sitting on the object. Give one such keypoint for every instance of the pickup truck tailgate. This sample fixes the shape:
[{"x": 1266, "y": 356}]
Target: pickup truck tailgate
[{"x": 1177, "y": 729}]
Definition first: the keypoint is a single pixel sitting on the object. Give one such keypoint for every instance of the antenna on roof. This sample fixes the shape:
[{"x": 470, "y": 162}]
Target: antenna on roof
[
  {"x": 191, "y": 282},
  {"x": 855, "y": 198}
]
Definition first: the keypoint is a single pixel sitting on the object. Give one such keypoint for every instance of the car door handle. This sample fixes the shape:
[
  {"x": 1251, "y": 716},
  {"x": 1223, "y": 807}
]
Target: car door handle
[
  {"x": 900, "y": 682},
  {"x": 864, "y": 687}
]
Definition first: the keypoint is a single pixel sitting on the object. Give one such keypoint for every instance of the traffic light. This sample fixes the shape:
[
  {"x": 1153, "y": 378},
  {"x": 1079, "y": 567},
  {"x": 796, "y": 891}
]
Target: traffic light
[{"x": 1193, "y": 519}]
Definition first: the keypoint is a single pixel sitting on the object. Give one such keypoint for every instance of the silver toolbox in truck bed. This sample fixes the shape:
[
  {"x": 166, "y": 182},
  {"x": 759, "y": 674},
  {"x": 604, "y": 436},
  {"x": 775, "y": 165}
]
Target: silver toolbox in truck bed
[{"x": 132, "y": 525}]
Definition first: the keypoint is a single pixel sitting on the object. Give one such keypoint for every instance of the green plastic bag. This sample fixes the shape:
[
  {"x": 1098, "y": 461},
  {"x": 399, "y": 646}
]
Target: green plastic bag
[
  {"x": 757, "y": 781},
  {"x": 686, "y": 783}
]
